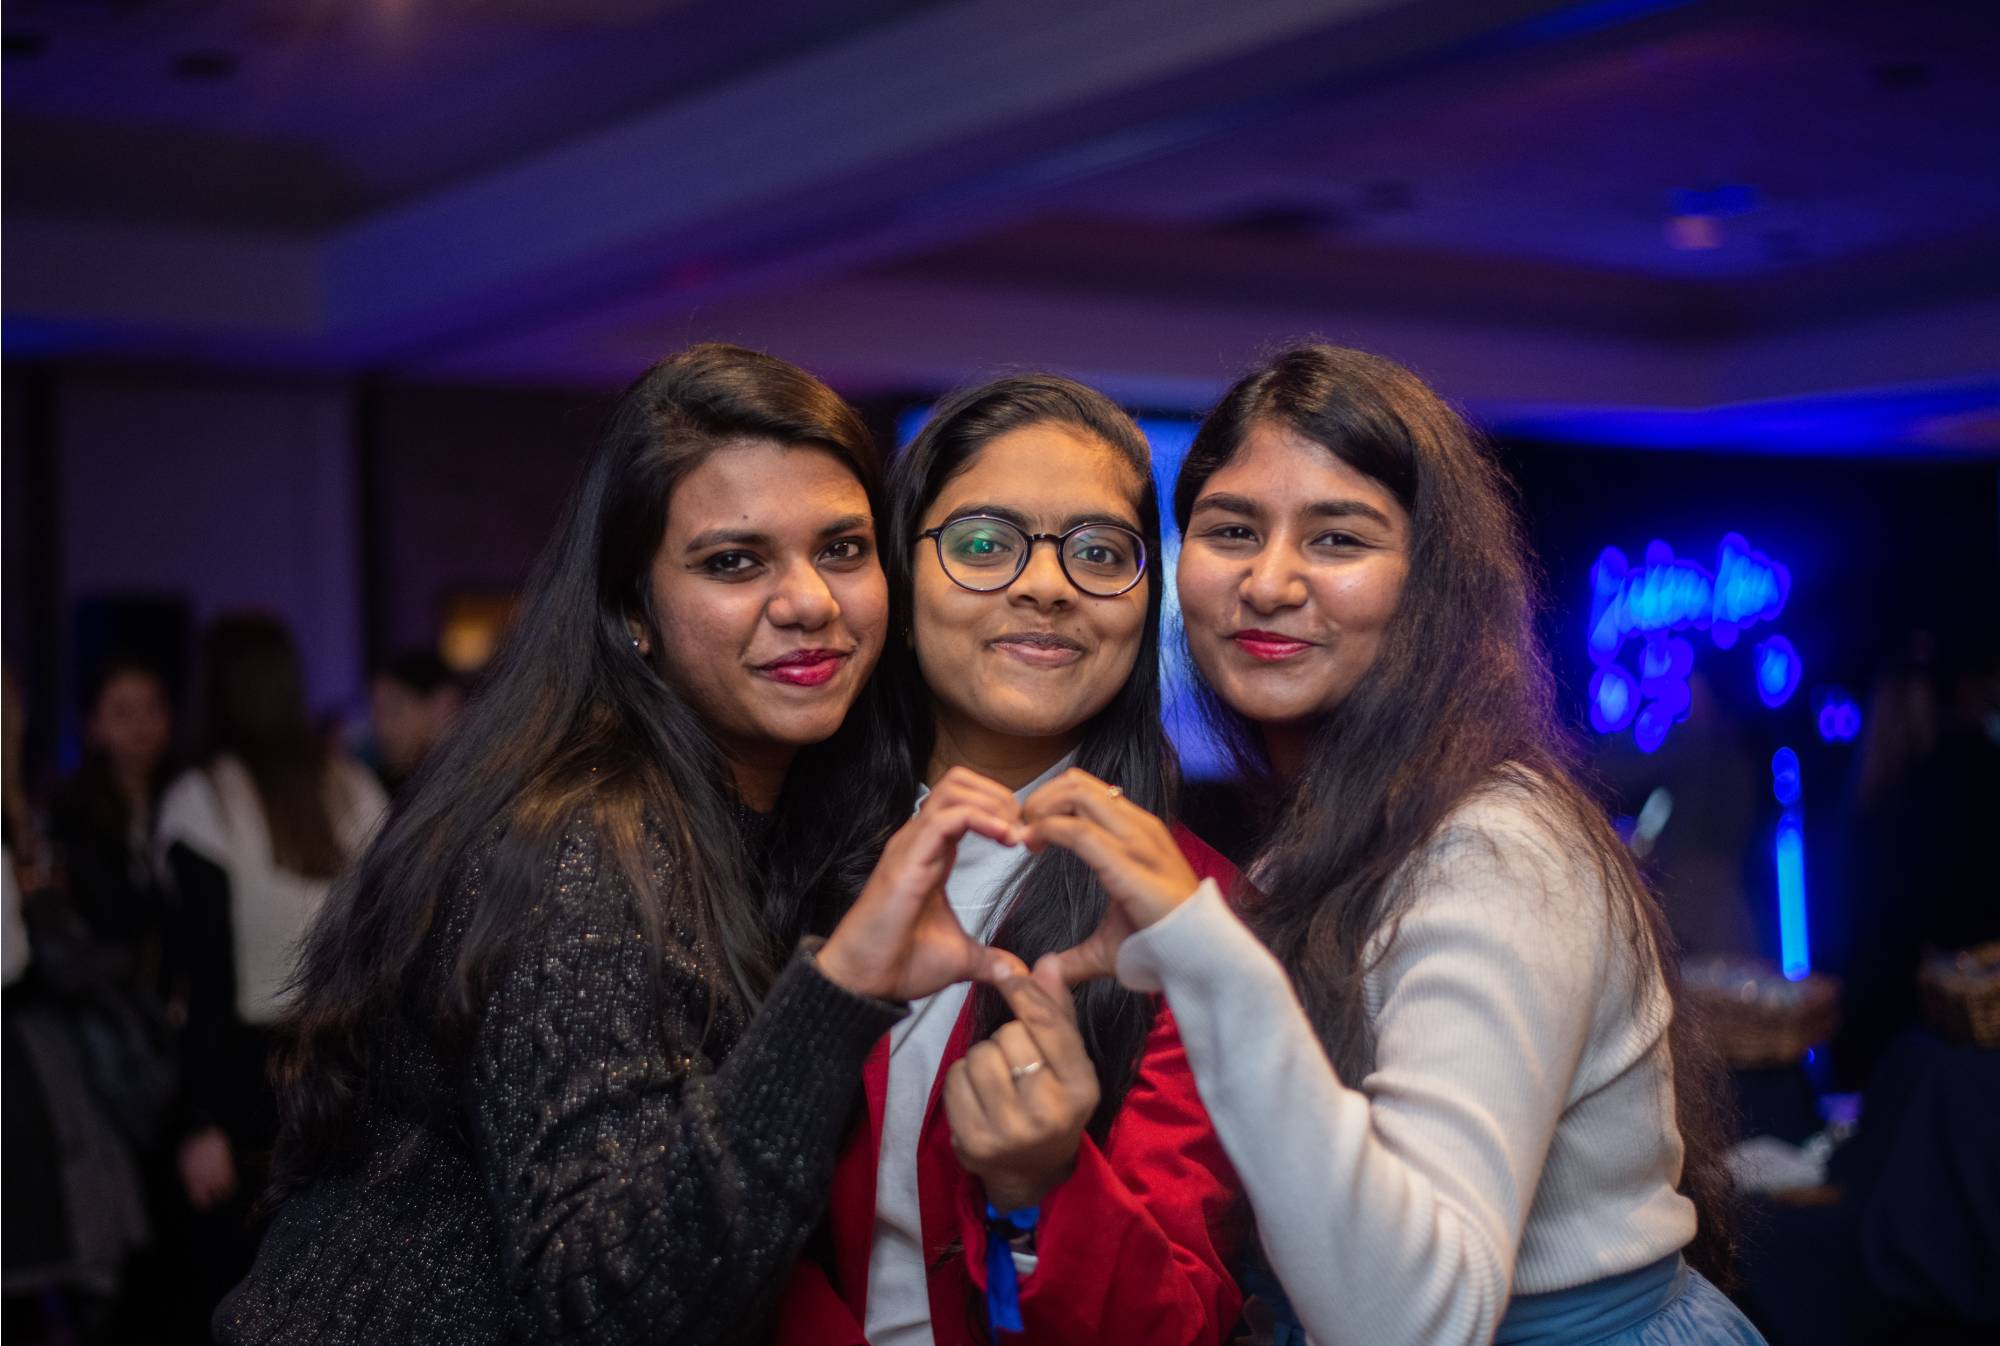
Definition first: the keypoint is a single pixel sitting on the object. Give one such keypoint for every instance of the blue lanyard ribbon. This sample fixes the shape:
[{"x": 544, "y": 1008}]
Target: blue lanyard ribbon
[{"x": 1003, "y": 1283}]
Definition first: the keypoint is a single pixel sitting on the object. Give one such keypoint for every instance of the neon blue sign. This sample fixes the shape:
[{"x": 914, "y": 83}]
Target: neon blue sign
[
  {"x": 1656, "y": 602},
  {"x": 1669, "y": 594},
  {"x": 1777, "y": 671},
  {"x": 1838, "y": 718}
]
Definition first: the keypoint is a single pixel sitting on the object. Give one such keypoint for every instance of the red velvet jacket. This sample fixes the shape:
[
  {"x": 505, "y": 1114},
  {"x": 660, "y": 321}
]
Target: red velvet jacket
[{"x": 1134, "y": 1246}]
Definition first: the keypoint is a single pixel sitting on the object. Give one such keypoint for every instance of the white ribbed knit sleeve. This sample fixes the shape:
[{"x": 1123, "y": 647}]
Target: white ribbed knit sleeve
[{"x": 1393, "y": 1212}]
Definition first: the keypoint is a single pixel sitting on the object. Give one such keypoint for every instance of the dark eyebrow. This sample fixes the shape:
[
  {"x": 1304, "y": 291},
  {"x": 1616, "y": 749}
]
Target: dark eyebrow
[
  {"x": 1232, "y": 504},
  {"x": 1027, "y": 525},
  {"x": 748, "y": 537},
  {"x": 737, "y": 537},
  {"x": 1013, "y": 516},
  {"x": 847, "y": 523},
  {"x": 1079, "y": 520},
  {"x": 1319, "y": 509},
  {"x": 1347, "y": 509}
]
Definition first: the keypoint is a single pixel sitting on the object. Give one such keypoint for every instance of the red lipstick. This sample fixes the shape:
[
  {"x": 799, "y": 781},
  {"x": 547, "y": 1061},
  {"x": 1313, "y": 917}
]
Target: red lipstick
[
  {"x": 1269, "y": 646},
  {"x": 805, "y": 668}
]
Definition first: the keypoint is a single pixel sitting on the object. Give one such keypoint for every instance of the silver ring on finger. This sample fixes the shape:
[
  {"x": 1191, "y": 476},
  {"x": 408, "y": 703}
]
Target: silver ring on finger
[
  {"x": 1022, "y": 1072},
  {"x": 1114, "y": 791}
]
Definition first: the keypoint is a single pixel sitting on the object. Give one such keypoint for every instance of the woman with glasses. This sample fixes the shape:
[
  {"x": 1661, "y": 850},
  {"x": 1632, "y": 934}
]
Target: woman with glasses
[{"x": 1028, "y": 1162}]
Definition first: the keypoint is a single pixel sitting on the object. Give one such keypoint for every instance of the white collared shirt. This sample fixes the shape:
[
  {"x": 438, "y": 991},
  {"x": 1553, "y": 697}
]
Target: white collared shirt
[{"x": 899, "y": 1302}]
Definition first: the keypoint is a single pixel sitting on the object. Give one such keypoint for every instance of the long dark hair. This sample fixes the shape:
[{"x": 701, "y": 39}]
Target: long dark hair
[
  {"x": 253, "y": 708},
  {"x": 572, "y": 722},
  {"x": 1459, "y": 699},
  {"x": 1057, "y": 900}
]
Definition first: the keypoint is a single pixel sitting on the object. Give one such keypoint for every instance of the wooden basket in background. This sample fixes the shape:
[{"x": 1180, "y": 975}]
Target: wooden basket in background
[
  {"x": 1756, "y": 1018},
  {"x": 1961, "y": 993}
]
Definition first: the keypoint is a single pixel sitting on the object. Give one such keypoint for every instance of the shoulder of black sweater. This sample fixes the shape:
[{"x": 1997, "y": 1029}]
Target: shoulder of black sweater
[{"x": 591, "y": 890}]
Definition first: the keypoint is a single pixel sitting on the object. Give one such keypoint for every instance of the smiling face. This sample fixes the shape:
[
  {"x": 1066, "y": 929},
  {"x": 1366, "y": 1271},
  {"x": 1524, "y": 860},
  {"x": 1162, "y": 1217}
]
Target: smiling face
[
  {"x": 771, "y": 601},
  {"x": 1291, "y": 569},
  {"x": 1017, "y": 673}
]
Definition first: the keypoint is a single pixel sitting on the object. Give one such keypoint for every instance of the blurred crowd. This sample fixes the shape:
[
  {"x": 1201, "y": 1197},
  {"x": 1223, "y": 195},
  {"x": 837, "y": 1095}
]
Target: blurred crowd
[{"x": 153, "y": 900}]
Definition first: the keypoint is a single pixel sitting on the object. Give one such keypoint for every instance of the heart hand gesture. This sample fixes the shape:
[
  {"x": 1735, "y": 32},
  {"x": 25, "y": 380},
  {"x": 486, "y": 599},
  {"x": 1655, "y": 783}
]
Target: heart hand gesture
[
  {"x": 1133, "y": 854},
  {"x": 900, "y": 940}
]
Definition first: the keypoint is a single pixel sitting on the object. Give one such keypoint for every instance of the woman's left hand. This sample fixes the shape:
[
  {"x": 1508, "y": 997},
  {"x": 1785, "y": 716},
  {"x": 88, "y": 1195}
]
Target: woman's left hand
[
  {"x": 1133, "y": 854},
  {"x": 1018, "y": 1102}
]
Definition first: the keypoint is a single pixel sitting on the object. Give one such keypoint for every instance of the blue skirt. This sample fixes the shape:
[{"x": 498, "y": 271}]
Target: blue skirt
[{"x": 1666, "y": 1304}]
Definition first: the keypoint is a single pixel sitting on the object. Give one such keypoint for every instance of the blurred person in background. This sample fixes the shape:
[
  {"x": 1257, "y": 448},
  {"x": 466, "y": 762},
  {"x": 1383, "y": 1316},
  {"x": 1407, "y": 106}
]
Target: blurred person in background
[
  {"x": 20, "y": 823},
  {"x": 14, "y": 941},
  {"x": 252, "y": 837},
  {"x": 118, "y": 915},
  {"x": 77, "y": 1100},
  {"x": 412, "y": 700},
  {"x": 102, "y": 824},
  {"x": 1919, "y": 857}
]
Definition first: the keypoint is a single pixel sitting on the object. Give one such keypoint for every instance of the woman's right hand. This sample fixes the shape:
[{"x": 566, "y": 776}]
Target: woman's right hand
[{"x": 900, "y": 940}]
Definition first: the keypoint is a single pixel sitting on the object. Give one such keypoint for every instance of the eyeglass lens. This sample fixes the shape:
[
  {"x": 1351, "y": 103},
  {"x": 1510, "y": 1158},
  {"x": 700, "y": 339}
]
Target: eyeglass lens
[{"x": 984, "y": 554}]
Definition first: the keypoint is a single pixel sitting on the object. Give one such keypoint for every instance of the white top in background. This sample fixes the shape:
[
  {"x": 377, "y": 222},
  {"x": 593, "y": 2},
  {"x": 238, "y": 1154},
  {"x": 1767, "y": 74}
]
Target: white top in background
[
  {"x": 1517, "y": 1132},
  {"x": 899, "y": 1300},
  {"x": 215, "y": 812}
]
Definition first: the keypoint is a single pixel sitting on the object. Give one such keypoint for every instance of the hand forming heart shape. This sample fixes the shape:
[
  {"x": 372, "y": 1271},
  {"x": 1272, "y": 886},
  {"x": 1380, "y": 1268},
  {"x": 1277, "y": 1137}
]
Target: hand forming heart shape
[
  {"x": 1134, "y": 855},
  {"x": 900, "y": 940}
]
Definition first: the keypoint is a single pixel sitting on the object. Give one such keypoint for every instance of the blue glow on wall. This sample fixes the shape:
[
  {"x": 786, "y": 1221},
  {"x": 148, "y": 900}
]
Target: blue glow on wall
[
  {"x": 1789, "y": 855},
  {"x": 1861, "y": 424},
  {"x": 1658, "y": 600}
]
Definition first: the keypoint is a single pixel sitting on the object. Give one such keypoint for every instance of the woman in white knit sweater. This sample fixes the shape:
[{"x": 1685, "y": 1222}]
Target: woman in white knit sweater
[{"x": 1446, "y": 1074}]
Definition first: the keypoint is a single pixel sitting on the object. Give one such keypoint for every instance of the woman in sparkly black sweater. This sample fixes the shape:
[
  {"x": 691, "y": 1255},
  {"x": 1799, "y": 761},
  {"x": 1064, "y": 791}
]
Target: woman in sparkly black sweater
[{"x": 552, "y": 1072}]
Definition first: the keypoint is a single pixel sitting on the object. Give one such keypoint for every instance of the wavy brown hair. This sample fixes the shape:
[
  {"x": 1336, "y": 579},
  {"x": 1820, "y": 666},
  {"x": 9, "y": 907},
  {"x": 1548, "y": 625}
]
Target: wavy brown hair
[{"x": 1460, "y": 698}]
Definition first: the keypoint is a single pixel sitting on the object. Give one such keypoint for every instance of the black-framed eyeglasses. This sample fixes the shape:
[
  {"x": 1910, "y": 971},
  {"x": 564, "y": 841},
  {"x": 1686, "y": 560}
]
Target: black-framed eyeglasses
[{"x": 986, "y": 554}]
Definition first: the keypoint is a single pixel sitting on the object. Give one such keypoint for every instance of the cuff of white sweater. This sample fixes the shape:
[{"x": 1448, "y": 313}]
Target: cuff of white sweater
[{"x": 1177, "y": 941}]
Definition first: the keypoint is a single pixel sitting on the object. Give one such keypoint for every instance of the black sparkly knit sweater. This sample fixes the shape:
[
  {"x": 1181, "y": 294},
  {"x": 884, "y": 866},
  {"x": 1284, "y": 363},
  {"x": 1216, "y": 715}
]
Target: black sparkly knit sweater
[{"x": 581, "y": 1173}]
